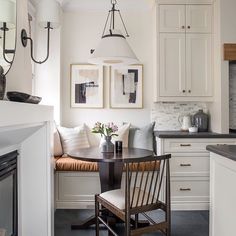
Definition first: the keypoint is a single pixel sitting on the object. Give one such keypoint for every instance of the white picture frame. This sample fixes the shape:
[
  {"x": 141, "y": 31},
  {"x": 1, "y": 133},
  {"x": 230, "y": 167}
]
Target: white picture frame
[
  {"x": 86, "y": 86},
  {"x": 126, "y": 86}
]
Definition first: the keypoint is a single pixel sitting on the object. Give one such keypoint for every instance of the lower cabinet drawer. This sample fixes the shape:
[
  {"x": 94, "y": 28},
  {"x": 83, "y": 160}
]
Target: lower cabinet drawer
[
  {"x": 186, "y": 165},
  {"x": 190, "y": 188},
  {"x": 192, "y": 145}
]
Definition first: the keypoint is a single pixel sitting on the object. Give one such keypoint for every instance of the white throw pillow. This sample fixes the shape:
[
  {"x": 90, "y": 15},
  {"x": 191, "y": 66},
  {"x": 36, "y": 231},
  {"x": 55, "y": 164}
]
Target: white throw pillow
[
  {"x": 57, "y": 144},
  {"x": 94, "y": 139},
  {"x": 123, "y": 135},
  {"x": 73, "y": 139}
]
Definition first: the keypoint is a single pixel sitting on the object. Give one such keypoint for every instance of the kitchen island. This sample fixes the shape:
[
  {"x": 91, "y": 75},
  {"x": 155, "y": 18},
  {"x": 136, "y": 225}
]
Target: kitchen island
[{"x": 222, "y": 189}]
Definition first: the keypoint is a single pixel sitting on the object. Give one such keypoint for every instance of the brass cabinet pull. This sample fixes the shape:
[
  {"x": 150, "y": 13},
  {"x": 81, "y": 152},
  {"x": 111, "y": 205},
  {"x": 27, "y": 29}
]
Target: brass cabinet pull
[
  {"x": 185, "y": 189},
  {"x": 189, "y": 27},
  {"x": 185, "y": 165},
  {"x": 183, "y": 27},
  {"x": 185, "y": 145}
]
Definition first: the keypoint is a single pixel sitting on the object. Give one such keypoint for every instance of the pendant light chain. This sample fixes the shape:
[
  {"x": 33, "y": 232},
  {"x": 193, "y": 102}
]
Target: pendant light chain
[
  {"x": 127, "y": 35},
  {"x": 111, "y": 18}
]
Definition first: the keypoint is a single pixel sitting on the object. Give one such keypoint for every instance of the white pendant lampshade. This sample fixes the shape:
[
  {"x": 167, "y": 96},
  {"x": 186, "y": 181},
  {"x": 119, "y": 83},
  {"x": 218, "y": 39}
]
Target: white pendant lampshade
[
  {"x": 48, "y": 11},
  {"x": 113, "y": 50},
  {"x": 8, "y": 13}
]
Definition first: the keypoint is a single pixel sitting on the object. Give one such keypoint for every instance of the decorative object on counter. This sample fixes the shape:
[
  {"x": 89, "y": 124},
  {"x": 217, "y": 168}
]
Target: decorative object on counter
[
  {"x": 193, "y": 129},
  {"x": 23, "y": 97},
  {"x": 200, "y": 120},
  {"x": 2, "y": 83},
  {"x": 106, "y": 131},
  {"x": 185, "y": 122},
  {"x": 118, "y": 146}
]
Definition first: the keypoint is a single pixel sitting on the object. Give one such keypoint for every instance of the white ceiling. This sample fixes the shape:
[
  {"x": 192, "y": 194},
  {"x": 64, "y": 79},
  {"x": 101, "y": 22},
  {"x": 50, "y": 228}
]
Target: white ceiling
[{"x": 101, "y": 5}]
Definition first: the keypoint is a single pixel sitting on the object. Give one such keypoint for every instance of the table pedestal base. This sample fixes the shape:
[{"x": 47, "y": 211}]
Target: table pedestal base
[{"x": 110, "y": 174}]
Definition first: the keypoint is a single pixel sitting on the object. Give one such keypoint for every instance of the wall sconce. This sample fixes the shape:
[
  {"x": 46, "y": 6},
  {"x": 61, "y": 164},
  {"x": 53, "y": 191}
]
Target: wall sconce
[
  {"x": 7, "y": 22},
  {"x": 48, "y": 16}
]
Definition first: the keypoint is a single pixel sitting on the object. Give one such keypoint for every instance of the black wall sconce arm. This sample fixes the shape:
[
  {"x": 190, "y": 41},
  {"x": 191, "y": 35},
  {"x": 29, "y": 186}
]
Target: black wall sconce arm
[
  {"x": 6, "y": 51},
  {"x": 25, "y": 38}
]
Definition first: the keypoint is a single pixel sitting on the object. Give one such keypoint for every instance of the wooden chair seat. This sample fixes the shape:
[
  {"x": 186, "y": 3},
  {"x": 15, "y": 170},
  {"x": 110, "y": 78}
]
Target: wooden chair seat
[{"x": 117, "y": 197}]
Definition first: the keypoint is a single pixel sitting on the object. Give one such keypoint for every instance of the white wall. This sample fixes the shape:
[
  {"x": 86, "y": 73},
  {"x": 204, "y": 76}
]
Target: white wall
[
  {"x": 48, "y": 75},
  {"x": 81, "y": 32},
  {"x": 19, "y": 77}
]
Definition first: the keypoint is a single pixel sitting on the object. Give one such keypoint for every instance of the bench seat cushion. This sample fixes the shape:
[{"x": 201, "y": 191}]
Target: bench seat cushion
[{"x": 70, "y": 164}]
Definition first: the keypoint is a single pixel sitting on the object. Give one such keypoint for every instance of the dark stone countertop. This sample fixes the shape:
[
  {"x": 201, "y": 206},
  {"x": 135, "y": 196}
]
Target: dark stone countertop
[
  {"x": 228, "y": 151},
  {"x": 181, "y": 134}
]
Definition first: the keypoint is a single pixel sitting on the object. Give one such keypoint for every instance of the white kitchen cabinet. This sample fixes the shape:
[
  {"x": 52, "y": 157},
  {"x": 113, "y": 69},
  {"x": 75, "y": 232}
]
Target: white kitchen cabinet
[
  {"x": 185, "y": 18},
  {"x": 172, "y": 64},
  {"x": 198, "y": 65},
  {"x": 198, "y": 19},
  {"x": 185, "y": 65},
  {"x": 172, "y": 18},
  {"x": 189, "y": 170},
  {"x": 222, "y": 196}
]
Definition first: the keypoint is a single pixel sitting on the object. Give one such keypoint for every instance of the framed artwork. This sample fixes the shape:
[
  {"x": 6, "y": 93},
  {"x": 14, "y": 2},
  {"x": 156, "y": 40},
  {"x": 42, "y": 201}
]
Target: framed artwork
[
  {"x": 86, "y": 86},
  {"x": 126, "y": 87}
]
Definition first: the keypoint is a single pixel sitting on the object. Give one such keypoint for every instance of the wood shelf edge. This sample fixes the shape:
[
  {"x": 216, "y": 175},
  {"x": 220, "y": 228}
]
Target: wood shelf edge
[{"x": 230, "y": 51}]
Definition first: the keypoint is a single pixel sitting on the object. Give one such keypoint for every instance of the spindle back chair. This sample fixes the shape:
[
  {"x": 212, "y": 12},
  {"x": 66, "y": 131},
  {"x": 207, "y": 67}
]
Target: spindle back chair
[{"x": 143, "y": 191}]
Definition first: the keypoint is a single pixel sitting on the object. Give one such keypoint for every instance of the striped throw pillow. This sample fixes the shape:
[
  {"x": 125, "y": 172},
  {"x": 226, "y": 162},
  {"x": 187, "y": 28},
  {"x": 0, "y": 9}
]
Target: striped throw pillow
[{"x": 73, "y": 139}]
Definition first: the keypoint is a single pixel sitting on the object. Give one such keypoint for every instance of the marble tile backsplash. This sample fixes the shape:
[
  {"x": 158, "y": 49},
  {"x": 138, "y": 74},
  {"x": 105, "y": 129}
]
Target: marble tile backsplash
[
  {"x": 232, "y": 95},
  {"x": 166, "y": 114}
]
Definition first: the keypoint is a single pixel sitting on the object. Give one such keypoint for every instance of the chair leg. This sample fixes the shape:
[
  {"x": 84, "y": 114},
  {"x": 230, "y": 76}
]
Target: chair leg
[
  {"x": 127, "y": 225},
  {"x": 168, "y": 230},
  {"x": 136, "y": 221},
  {"x": 96, "y": 215}
]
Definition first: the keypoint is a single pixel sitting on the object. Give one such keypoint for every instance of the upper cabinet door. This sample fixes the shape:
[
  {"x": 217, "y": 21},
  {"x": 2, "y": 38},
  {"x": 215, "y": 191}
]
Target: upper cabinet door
[
  {"x": 198, "y": 19},
  {"x": 172, "y": 65},
  {"x": 199, "y": 65},
  {"x": 172, "y": 18}
]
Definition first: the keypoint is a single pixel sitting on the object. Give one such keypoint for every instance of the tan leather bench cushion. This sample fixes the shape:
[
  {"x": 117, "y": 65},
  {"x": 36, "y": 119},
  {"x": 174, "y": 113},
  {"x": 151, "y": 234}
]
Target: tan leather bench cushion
[{"x": 71, "y": 164}]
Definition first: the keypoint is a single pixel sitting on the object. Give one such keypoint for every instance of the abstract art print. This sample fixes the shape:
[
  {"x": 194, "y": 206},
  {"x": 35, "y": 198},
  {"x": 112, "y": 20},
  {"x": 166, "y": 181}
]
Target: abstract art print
[
  {"x": 126, "y": 90},
  {"x": 86, "y": 86}
]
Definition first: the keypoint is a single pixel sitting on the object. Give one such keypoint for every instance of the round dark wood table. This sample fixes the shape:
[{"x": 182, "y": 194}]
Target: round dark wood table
[{"x": 110, "y": 167}]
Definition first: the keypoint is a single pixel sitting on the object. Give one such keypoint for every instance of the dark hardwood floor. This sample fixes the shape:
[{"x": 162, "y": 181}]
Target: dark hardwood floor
[{"x": 184, "y": 223}]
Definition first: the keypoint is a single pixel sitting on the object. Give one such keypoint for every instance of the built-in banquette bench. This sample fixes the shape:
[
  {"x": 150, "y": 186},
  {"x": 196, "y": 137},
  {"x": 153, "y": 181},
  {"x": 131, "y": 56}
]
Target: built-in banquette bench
[{"x": 76, "y": 181}]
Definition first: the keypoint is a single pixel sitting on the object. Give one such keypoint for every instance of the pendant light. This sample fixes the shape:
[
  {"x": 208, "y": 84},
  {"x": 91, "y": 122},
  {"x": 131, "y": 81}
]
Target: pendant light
[{"x": 113, "y": 48}]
